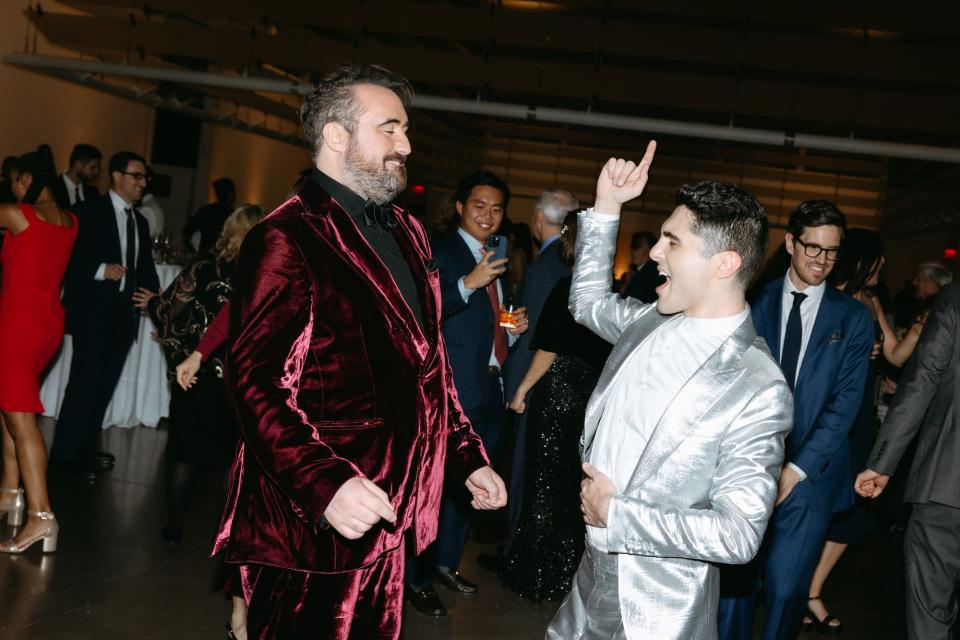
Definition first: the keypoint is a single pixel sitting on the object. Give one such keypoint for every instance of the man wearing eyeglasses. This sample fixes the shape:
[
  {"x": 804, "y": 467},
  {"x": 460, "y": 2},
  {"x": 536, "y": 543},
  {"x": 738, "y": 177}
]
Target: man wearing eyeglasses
[
  {"x": 822, "y": 340},
  {"x": 110, "y": 270}
]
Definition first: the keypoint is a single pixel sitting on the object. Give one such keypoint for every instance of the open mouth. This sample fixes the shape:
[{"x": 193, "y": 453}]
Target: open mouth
[{"x": 666, "y": 281}]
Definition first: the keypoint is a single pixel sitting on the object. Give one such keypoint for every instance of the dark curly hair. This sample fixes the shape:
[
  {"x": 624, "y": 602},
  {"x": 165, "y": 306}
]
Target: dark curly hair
[
  {"x": 40, "y": 166},
  {"x": 332, "y": 100}
]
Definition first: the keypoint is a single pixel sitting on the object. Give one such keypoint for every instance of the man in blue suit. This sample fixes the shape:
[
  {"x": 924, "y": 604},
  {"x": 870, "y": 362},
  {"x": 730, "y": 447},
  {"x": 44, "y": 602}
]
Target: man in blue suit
[
  {"x": 822, "y": 339},
  {"x": 478, "y": 347}
]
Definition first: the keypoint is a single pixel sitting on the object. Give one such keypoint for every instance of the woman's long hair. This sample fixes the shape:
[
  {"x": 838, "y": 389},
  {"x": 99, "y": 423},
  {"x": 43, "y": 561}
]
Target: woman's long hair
[
  {"x": 568, "y": 238},
  {"x": 42, "y": 170},
  {"x": 859, "y": 260},
  {"x": 235, "y": 229}
]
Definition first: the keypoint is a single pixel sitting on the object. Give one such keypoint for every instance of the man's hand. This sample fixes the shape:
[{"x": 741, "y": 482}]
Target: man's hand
[
  {"x": 870, "y": 484},
  {"x": 114, "y": 272},
  {"x": 142, "y": 296},
  {"x": 595, "y": 493},
  {"x": 486, "y": 271},
  {"x": 519, "y": 402},
  {"x": 621, "y": 181},
  {"x": 356, "y": 506},
  {"x": 487, "y": 489},
  {"x": 789, "y": 479},
  {"x": 520, "y": 322}
]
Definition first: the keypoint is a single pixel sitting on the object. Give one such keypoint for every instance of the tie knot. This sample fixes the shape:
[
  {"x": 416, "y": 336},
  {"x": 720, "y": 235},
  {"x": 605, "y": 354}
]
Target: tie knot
[
  {"x": 798, "y": 298},
  {"x": 128, "y": 211},
  {"x": 381, "y": 216}
]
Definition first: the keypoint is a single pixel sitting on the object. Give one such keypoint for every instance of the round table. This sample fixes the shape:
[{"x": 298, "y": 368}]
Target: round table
[{"x": 142, "y": 395}]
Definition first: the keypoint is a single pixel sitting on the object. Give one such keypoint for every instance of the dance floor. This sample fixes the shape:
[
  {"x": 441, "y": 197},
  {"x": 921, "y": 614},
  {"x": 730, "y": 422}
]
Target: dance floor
[{"x": 113, "y": 578}]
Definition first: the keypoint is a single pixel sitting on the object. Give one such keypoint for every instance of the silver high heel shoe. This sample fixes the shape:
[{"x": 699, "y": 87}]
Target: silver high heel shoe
[
  {"x": 13, "y": 510},
  {"x": 49, "y": 537}
]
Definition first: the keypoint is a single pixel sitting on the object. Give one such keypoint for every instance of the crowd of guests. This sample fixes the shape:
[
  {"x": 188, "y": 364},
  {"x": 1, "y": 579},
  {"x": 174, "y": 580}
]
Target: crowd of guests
[{"x": 822, "y": 308}]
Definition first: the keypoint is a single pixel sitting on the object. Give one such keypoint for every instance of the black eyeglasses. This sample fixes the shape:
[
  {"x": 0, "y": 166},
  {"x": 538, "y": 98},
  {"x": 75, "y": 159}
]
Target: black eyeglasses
[
  {"x": 136, "y": 175},
  {"x": 812, "y": 250}
]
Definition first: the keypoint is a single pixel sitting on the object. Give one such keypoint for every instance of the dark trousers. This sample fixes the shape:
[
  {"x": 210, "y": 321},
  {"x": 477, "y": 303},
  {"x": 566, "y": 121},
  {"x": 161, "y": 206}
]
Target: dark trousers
[
  {"x": 99, "y": 352},
  {"x": 456, "y": 514},
  {"x": 296, "y": 605},
  {"x": 792, "y": 547},
  {"x": 931, "y": 552},
  {"x": 517, "y": 471}
]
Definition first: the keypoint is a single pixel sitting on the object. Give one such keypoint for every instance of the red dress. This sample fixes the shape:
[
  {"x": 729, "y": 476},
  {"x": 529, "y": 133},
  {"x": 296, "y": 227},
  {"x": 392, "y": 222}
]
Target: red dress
[{"x": 31, "y": 316}]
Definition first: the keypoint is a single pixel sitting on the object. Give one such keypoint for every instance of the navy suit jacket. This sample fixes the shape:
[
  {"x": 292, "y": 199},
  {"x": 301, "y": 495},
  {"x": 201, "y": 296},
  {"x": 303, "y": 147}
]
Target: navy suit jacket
[
  {"x": 541, "y": 276},
  {"x": 87, "y": 301},
  {"x": 467, "y": 326},
  {"x": 828, "y": 392}
]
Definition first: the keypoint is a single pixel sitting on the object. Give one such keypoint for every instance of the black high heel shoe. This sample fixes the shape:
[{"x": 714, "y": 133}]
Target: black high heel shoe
[{"x": 823, "y": 627}]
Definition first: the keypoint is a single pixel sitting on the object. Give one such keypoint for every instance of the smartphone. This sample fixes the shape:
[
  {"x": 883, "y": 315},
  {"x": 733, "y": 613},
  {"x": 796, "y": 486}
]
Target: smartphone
[{"x": 498, "y": 245}]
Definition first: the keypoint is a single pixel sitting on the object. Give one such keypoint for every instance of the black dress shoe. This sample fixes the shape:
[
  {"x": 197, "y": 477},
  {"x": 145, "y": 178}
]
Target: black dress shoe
[
  {"x": 98, "y": 458},
  {"x": 491, "y": 562},
  {"x": 455, "y": 582},
  {"x": 426, "y": 601},
  {"x": 74, "y": 468}
]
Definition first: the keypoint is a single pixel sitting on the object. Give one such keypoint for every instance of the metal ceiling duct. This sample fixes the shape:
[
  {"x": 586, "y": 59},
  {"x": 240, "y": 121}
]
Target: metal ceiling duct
[{"x": 513, "y": 111}]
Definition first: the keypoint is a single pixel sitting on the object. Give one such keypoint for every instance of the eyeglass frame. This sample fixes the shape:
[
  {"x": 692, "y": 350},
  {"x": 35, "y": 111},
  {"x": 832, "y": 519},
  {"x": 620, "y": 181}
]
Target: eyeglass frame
[
  {"x": 137, "y": 176},
  {"x": 818, "y": 249}
]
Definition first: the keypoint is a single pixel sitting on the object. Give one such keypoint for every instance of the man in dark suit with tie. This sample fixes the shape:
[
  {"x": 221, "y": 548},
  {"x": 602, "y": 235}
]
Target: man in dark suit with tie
[
  {"x": 926, "y": 404},
  {"x": 822, "y": 339},
  {"x": 538, "y": 281},
  {"x": 76, "y": 184},
  {"x": 111, "y": 270},
  {"x": 645, "y": 280},
  {"x": 478, "y": 346}
]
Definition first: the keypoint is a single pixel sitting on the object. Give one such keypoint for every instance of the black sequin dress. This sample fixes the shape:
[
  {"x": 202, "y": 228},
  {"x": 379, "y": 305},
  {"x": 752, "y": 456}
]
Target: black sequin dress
[{"x": 550, "y": 537}]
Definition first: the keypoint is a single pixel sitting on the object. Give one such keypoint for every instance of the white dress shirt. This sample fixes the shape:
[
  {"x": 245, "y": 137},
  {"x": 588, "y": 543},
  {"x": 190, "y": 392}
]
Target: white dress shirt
[
  {"x": 119, "y": 210},
  {"x": 644, "y": 387},
  {"x": 808, "y": 316},
  {"x": 74, "y": 191},
  {"x": 476, "y": 249}
]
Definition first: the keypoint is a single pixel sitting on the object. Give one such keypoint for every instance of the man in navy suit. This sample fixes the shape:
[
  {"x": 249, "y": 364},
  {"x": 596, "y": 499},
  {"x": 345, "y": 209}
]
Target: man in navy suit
[
  {"x": 538, "y": 281},
  {"x": 111, "y": 270},
  {"x": 822, "y": 339},
  {"x": 478, "y": 347}
]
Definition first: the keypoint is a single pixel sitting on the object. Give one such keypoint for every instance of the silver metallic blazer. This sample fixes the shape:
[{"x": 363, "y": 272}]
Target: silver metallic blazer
[{"x": 704, "y": 486}]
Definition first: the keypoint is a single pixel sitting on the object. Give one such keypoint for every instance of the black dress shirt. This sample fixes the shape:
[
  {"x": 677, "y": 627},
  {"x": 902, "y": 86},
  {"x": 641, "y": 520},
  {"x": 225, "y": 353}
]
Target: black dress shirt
[{"x": 381, "y": 239}]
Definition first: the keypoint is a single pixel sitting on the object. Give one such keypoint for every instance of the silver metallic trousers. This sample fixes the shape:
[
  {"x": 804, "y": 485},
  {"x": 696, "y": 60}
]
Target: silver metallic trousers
[{"x": 591, "y": 611}]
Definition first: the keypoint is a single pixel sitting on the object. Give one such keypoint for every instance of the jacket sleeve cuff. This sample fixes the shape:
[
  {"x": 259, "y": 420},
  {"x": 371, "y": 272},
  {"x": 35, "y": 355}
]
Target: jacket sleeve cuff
[{"x": 800, "y": 472}]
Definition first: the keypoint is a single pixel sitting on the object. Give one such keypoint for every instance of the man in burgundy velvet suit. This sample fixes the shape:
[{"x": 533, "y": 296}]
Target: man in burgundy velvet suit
[{"x": 341, "y": 383}]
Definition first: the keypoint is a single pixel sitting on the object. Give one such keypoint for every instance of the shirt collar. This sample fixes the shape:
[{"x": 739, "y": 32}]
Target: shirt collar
[
  {"x": 549, "y": 241},
  {"x": 716, "y": 326},
  {"x": 346, "y": 197},
  {"x": 473, "y": 244},
  {"x": 118, "y": 204},
  {"x": 814, "y": 294},
  {"x": 71, "y": 185}
]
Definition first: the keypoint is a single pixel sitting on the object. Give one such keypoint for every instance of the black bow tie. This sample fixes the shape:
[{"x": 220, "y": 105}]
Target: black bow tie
[{"x": 377, "y": 215}]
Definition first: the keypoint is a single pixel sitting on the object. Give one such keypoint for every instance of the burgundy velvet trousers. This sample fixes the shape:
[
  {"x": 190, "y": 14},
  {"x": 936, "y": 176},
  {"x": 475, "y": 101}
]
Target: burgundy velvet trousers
[{"x": 295, "y": 605}]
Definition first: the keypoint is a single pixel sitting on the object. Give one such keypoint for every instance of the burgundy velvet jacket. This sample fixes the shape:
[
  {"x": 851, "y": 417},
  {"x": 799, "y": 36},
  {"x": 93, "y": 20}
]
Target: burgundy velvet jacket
[{"x": 332, "y": 378}]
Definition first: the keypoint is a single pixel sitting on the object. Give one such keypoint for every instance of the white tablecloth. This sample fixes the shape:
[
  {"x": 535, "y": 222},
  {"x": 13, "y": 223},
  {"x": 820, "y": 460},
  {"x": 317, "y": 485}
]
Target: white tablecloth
[{"x": 142, "y": 395}]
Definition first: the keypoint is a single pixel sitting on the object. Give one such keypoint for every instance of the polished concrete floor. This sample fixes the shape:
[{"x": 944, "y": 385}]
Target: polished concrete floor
[{"x": 113, "y": 578}]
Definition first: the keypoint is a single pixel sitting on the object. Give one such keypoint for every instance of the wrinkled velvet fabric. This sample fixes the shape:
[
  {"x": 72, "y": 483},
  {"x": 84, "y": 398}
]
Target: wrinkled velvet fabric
[
  {"x": 332, "y": 378},
  {"x": 293, "y": 605}
]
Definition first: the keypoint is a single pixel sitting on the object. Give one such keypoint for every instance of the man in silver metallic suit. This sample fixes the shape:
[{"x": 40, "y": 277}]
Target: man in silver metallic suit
[{"x": 684, "y": 435}]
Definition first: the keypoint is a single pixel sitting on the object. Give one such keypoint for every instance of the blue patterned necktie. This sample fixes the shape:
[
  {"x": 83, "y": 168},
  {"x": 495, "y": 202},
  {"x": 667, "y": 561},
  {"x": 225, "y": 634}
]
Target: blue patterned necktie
[{"x": 790, "y": 356}]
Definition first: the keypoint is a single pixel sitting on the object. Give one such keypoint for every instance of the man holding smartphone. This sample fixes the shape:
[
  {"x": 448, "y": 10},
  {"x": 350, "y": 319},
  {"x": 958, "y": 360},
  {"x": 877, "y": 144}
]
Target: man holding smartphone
[{"x": 478, "y": 345}]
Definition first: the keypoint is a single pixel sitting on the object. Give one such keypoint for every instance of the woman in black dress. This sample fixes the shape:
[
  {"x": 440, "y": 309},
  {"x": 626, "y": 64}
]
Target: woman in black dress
[
  {"x": 564, "y": 371},
  {"x": 201, "y": 435}
]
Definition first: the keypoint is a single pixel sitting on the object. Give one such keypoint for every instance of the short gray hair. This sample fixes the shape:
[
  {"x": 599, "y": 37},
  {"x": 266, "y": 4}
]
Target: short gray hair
[
  {"x": 935, "y": 272},
  {"x": 556, "y": 204}
]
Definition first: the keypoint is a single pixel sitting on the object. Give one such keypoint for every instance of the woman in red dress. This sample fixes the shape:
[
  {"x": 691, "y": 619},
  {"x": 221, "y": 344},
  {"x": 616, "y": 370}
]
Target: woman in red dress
[{"x": 36, "y": 250}]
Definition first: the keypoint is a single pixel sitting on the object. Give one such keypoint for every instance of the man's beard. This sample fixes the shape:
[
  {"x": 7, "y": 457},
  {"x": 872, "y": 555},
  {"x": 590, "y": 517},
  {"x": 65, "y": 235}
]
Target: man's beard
[{"x": 371, "y": 178}]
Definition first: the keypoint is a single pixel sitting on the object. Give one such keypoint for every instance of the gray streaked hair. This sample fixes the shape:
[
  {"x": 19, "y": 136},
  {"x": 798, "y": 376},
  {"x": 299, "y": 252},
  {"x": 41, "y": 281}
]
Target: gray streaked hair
[
  {"x": 935, "y": 272},
  {"x": 556, "y": 204}
]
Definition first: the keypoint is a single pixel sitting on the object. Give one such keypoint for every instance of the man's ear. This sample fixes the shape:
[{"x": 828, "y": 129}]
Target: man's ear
[
  {"x": 459, "y": 208},
  {"x": 335, "y": 136},
  {"x": 788, "y": 242},
  {"x": 728, "y": 263}
]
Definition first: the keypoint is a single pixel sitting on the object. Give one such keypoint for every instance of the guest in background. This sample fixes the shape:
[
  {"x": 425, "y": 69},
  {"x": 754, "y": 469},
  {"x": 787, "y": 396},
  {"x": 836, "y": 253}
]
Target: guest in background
[
  {"x": 150, "y": 208},
  {"x": 209, "y": 219},
  {"x": 201, "y": 435},
  {"x": 6, "y": 179},
  {"x": 643, "y": 277},
  {"x": 548, "y": 542},
  {"x": 520, "y": 254},
  {"x": 34, "y": 257},
  {"x": 110, "y": 270},
  {"x": 857, "y": 274},
  {"x": 78, "y": 183}
]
